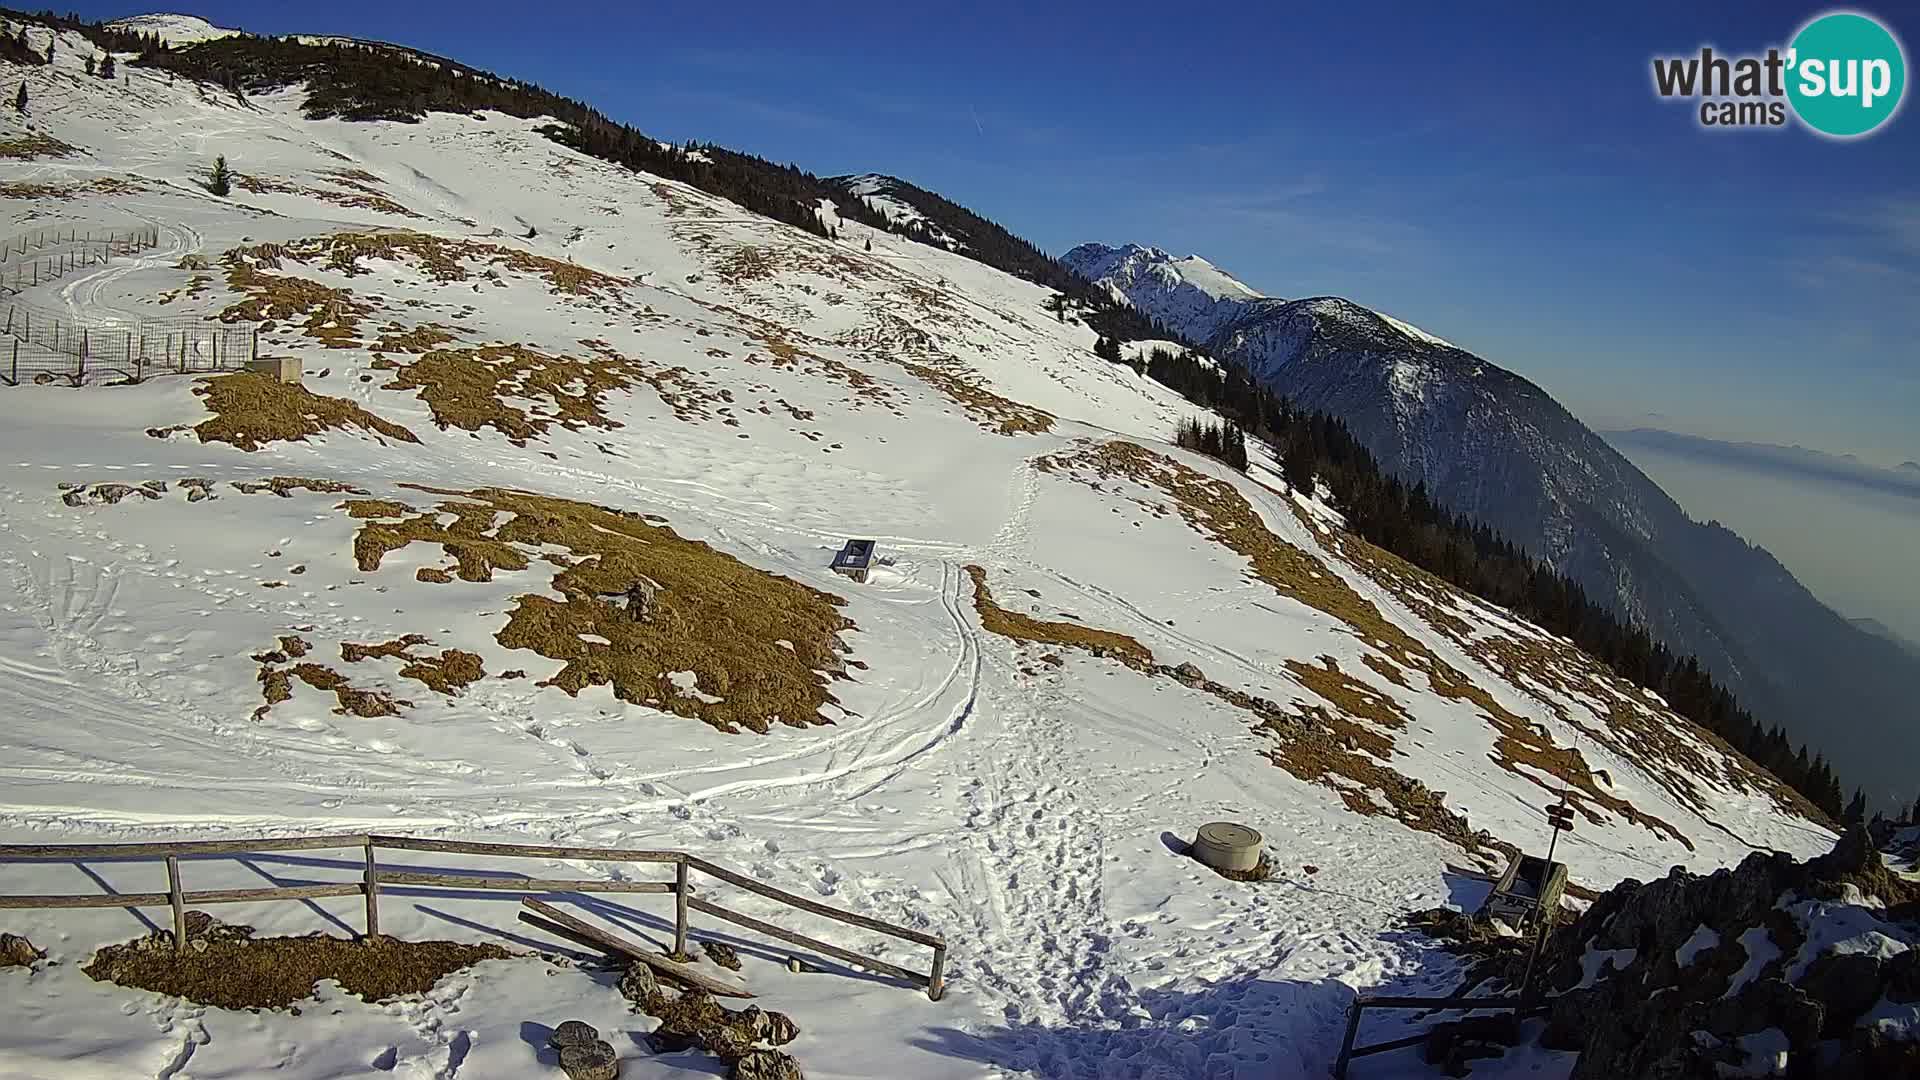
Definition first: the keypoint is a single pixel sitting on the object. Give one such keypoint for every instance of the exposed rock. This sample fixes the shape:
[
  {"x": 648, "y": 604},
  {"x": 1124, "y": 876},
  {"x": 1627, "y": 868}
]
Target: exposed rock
[
  {"x": 766, "y": 1065},
  {"x": 1189, "y": 674},
  {"x": 1658, "y": 1017},
  {"x": 590, "y": 1061},
  {"x": 16, "y": 951},
  {"x": 573, "y": 1033},
  {"x": 638, "y": 984},
  {"x": 721, "y": 953},
  {"x": 770, "y": 1027}
]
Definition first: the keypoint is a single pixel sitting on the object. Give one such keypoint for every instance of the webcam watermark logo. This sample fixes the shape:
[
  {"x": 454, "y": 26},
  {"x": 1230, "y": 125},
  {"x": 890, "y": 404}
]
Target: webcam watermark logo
[{"x": 1844, "y": 75}]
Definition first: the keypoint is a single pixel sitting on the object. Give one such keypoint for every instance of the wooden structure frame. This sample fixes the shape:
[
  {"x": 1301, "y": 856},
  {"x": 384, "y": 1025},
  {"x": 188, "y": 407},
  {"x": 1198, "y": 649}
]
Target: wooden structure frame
[
  {"x": 1530, "y": 887},
  {"x": 1520, "y": 1004},
  {"x": 374, "y": 878}
]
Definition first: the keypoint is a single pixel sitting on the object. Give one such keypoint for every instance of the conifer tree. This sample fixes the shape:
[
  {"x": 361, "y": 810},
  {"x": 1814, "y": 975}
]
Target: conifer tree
[
  {"x": 20, "y": 99},
  {"x": 1857, "y": 808},
  {"x": 90, "y": 64},
  {"x": 220, "y": 178},
  {"x": 106, "y": 66}
]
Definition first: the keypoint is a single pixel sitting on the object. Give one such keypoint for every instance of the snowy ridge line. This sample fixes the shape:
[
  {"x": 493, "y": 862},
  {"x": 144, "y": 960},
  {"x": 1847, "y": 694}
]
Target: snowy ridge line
[{"x": 375, "y": 883}]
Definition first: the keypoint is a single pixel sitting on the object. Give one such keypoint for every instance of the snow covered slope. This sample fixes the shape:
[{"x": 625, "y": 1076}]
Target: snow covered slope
[
  {"x": 1491, "y": 444},
  {"x": 174, "y": 29},
  {"x": 1190, "y": 295},
  {"x": 526, "y": 366}
]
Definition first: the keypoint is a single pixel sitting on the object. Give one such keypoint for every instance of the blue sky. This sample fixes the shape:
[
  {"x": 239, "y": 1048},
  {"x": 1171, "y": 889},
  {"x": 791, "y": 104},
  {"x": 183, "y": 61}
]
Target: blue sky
[{"x": 1501, "y": 176}]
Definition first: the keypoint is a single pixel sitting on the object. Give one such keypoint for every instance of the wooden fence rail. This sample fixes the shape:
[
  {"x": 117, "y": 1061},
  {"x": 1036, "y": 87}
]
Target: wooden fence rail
[{"x": 375, "y": 878}]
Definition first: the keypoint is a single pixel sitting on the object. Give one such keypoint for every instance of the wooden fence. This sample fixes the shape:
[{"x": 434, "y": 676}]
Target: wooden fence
[{"x": 374, "y": 878}]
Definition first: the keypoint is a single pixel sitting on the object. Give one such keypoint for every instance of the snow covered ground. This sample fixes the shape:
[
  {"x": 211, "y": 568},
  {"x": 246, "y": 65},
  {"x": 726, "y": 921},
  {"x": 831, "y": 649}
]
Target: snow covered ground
[{"x": 802, "y": 392}]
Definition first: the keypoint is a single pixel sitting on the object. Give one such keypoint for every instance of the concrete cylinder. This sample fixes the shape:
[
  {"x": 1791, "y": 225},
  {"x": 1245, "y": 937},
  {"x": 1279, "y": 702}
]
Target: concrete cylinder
[{"x": 1224, "y": 845}]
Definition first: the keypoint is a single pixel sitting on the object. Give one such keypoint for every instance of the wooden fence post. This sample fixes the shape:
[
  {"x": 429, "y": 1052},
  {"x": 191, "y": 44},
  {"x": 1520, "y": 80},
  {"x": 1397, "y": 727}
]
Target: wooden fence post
[
  {"x": 16, "y": 361},
  {"x": 373, "y": 893},
  {"x": 937, "y": 978},
  {"x": 177, "y": 899},
  {"x": 680, "y": 907}
]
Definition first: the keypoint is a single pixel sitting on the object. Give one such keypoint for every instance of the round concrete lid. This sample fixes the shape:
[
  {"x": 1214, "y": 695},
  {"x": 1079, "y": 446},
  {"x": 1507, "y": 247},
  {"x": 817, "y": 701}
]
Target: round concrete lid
[{"x": 1226, "y": 834}]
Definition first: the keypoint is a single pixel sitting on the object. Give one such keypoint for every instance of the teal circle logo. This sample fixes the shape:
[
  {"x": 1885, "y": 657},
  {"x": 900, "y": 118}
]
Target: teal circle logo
[{"x": 1846, "y": 74}]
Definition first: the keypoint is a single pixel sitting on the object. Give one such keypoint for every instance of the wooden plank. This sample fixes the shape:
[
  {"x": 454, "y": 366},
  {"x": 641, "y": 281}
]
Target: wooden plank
[
  {"x": 151, "y": 899},
  {"x": 680, "y": 890},
  {"x": 69, "y": 852},
  {"x": 806, "y": 942},
  {"x": 609, "y": 942},
  {"x": 370, "y": 881},
  {"x": 179, "y": 904},
  {"x": 1390, "y": 1044},
  {"x": 937, "y": 979},
  {"x": 817, "y": 908},
  {"x": 528, "y": 885},
  {"x": 531, "y": 851},
  {"x": 1390, "y": 1002},
  {"x": 283, "y": 892}
]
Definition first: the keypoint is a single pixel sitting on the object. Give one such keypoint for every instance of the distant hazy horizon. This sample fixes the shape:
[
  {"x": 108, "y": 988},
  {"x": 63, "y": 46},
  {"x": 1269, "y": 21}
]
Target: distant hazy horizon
[{"x": 1852, "y": 545}]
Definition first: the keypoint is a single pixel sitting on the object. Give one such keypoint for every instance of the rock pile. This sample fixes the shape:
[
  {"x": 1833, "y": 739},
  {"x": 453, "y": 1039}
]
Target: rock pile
[
  {"x": 690, "y": 1018},
  {"x": 1772, "y": 968}
]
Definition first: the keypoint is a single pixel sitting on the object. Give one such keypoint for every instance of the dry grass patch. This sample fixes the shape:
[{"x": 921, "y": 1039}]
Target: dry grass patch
[
  {"x": 375, "y": 508},
  {"x": 1671, "y": 749},
  {"x": 448, "y": 673},
  {"x": 986, "y": 408},
  {"x": 231, "y": 969},
  {"x": 447, "y": 260},
  {"x": 359, "y": 196},
  {"x": 473, "y": 388},
  {"x": 1011, "y": 624},
  {"x": 33, "y": 145},
  {"x": 252, "y": 410},
  {"x": 710, "y": 614},
  {"x": 680, "y": 389},
  {"x": 332, "y": 315},
  {"x": 745, "y": 263},
  {"x": 192, "y": 290},
  {"x": 285, "y": 486},
  {"x": 419, "y": 339},
  {"x": 1329, "y": 745}
]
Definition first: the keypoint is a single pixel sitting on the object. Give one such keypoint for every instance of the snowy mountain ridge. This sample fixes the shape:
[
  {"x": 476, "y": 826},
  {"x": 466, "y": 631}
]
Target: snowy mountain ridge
[
  {"x": 401, "y": 597},
  {"x": 173, "y": 28},
  {"x": 1490, "y": 444}
]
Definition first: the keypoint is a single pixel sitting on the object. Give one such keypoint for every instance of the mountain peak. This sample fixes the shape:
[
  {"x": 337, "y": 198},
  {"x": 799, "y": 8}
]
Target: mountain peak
[{"x": 173, "y": 28}]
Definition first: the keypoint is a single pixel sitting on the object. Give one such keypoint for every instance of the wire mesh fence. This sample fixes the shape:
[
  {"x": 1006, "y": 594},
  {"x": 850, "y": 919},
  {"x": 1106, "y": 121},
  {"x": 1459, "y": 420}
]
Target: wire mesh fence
[
  {"x": 34, "y": 258},
  {"x": 40, "y": 344}
]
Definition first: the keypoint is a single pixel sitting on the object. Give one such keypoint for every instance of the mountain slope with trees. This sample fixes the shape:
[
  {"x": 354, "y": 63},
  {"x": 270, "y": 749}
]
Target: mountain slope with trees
[{"x": 1488, "y": 444}]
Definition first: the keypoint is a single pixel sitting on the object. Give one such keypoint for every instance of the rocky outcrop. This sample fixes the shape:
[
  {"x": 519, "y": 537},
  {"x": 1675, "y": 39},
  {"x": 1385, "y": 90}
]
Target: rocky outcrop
[
  {"x": 1771, "y": 968},
  {"x": 693, "y": 1018}
]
